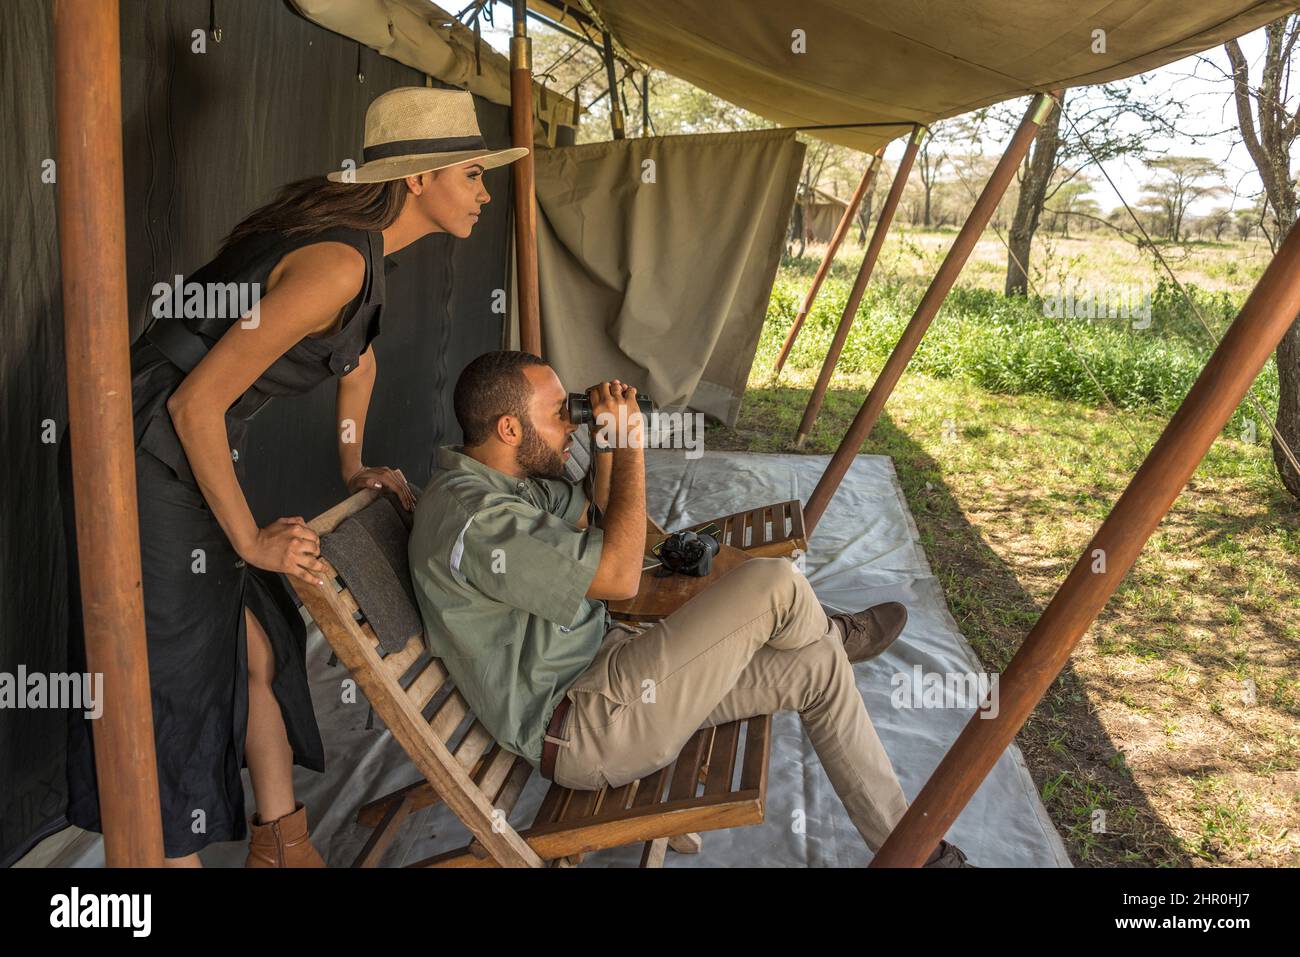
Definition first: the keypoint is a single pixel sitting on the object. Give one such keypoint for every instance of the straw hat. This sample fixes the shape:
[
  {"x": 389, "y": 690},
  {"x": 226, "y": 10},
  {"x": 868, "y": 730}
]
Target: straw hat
[{"x": 416, "y": 129}]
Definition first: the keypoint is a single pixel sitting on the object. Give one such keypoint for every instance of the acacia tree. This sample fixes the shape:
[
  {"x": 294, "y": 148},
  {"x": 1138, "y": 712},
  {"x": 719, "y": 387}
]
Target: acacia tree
[
  {"x": 929, "y": 162},
  {"x": 1180, "y": 181},
  {"x": 1270, "y": 125},
  {"x": 1116, "y": 119},
  {"x": 1035, "y": 174},
  {"x": 1072, "y": 199}
]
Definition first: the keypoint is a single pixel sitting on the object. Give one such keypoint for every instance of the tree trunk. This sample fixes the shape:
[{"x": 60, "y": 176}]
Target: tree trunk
[
  {"x": 1029, "y": 206},
  {"x": 1270, "y": 148}
]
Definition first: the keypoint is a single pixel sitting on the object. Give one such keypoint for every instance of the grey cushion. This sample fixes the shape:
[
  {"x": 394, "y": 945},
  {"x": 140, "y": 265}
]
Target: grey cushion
[{"x": 369, "y": 552}]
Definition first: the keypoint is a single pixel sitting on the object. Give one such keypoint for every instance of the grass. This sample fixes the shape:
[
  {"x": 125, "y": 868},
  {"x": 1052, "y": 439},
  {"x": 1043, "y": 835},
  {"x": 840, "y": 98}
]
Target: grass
[{"x": 1178, "y": 715}]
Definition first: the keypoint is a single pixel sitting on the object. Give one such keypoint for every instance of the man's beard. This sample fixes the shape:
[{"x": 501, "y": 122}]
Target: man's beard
[{"x": 536, "y": 457}]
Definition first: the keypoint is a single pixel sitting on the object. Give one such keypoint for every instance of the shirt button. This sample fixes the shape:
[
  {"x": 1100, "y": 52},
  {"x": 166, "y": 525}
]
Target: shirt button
[
  {"x": 348, "y": 367},
  {"x": 234, "y": 455}
]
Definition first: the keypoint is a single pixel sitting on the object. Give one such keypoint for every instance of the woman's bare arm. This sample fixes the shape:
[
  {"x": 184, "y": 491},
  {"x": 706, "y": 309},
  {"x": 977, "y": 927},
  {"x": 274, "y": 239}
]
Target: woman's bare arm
[
  {"x": 314, "y": 284},
  {"x": 352, "y": 402}
]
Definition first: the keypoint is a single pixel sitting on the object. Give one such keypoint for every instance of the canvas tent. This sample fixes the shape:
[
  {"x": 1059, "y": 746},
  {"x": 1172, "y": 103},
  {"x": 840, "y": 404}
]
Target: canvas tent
[
  {"x": 663, "y": 283},
  {"x": 895, "y": 66},
  {"x": 820, "y": 213}
]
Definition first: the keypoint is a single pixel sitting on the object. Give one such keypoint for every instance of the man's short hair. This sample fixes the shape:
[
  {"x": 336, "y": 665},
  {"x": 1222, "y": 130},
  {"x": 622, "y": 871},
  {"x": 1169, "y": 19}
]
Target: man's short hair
[{"x": 491, "y": 386}]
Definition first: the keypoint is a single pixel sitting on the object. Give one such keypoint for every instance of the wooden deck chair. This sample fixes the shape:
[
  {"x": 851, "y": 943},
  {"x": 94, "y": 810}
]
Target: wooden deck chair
[{"x": 718, "y": 781}]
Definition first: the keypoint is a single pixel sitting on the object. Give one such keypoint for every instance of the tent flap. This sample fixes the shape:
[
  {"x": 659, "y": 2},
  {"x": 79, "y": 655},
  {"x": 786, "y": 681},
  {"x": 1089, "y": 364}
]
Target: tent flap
[{"x": 657, "y": 257}]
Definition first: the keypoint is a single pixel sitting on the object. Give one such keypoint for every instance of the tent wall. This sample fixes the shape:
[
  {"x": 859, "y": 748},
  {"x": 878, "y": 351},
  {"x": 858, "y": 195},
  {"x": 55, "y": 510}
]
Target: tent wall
[
  {"x": 657, "y": 257},
  {"x": 207, "y": 138},
  {"x": 820, "y": 221}
]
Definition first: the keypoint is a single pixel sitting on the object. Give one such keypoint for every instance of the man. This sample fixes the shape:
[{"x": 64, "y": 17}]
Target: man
[{"x": 511, "y": 582}]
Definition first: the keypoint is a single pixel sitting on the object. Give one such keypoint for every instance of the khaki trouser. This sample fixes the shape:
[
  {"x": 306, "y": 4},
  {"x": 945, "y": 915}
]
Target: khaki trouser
[{"x": 754, "y": 643}]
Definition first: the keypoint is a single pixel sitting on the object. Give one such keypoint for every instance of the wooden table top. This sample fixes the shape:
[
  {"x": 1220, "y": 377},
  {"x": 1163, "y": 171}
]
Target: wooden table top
[{"x": 659, "y": 597}]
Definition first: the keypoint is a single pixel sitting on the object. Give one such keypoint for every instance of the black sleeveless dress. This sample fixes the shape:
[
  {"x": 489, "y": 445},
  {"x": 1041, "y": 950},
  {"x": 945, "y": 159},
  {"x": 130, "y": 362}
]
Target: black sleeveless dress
[{"x": 195, "y": 585}]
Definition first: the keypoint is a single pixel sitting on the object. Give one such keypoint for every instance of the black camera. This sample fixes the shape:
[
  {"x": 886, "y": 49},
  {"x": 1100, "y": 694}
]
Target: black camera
[
  {"x": 580, "y": 408},
  {"x": 686, "y": 553}
]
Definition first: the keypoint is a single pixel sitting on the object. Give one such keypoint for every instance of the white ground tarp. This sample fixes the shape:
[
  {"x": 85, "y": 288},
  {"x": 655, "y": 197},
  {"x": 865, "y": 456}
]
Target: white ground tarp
[{"x": 866, "y": 551}]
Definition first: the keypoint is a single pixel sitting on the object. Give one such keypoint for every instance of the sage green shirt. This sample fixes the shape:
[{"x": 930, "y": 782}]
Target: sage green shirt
[{"x": 501, "y": 573}]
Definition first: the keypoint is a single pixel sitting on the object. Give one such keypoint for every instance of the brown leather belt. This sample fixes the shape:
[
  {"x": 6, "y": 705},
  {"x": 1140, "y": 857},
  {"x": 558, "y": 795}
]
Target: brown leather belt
[{"x": 553, "y": 730}]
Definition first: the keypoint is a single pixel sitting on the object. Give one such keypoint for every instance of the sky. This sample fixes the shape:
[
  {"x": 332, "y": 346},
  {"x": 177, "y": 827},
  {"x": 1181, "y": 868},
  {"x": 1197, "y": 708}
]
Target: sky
[{"x": 1209, "y": 129}]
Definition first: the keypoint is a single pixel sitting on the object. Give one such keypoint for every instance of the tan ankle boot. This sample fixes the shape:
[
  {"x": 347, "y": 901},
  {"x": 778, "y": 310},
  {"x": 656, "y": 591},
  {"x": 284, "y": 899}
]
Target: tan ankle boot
[{"x": 282, "y": 842}]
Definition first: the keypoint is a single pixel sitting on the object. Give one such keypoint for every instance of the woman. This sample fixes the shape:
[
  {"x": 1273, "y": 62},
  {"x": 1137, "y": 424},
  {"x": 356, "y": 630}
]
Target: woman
[{"x": 226, "y": 644}]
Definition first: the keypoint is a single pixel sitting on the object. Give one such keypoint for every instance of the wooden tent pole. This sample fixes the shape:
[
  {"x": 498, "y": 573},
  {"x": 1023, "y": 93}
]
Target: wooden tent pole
[
  {"x": 615, "y": 114},
  {"x": 521, "y": 177},
  {"x": 859, "y": 286},
  {"x": 92, "y": 256},
  {"x": 1219, "y": 389},
  {"x": 842, "y": 230},
  {"x": 952, "y": 265}
]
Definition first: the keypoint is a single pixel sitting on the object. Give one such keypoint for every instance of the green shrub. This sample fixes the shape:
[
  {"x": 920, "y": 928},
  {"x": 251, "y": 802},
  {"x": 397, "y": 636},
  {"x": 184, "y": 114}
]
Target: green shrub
[{"x": 1009, "y": 345}]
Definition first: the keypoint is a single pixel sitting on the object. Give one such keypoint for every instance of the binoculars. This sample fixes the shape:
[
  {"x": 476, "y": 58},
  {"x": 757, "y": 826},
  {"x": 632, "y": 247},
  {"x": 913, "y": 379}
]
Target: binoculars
[{"x": 580, "y": 407}]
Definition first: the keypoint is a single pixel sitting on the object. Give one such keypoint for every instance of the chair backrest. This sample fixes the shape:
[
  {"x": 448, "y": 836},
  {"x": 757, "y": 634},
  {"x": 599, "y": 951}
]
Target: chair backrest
[
  {"x": 368, "y": 551},
  {"x": 411, "y": 690}
]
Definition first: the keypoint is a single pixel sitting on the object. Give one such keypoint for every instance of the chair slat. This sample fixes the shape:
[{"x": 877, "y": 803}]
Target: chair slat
[
  {"x": 349, "y": 601},
  {"x": 722, "y": 762},
  {"x": 472, "y": 747},
  {"x": 758, "y": 745},
  {"x": 493, "y": 771},
  {"x": 432, "y": 677},
  {"x": 616, "y": 799},
  {"x": 552, "y": 805},
  {"x": 686, "y": 773},
  {"x": 650, "y": 789},
  {"x": 796, "y": 520},
  {"x": 516, "y": 781},
  {"x": 449, "y": 715},
  {"x": 397, "y": 663},
  {"x": 582, "y": 805}
]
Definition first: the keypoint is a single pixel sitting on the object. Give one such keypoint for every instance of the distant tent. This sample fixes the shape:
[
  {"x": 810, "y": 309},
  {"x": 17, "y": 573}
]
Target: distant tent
[{"x": 820, "y": 213}]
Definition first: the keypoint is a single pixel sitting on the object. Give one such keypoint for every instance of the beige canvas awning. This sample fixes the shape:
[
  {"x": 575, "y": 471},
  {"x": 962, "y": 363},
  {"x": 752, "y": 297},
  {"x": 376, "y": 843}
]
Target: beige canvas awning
[
  {"x": 909, "y": 62},
  {"x": 428, "y": 38}
]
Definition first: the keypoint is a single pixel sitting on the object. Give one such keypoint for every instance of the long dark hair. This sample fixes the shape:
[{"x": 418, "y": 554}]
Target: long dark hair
[{"x": 315, "y": 203}]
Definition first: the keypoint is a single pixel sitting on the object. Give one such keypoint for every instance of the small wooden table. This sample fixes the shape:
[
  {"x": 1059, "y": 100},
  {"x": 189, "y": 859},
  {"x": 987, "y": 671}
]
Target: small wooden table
[{"x": 659, "y": 597}]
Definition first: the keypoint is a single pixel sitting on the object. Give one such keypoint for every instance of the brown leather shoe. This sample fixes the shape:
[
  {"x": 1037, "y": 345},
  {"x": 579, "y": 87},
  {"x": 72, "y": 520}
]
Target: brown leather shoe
[
  {"x": 282, "y": 842},
  {"x": 950, "y": 855},
  {"x": 868, "y": 633}
]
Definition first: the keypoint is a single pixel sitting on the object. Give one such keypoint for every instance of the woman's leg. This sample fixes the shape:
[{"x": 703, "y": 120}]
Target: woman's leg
[{"x": 266, "y": 748}]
